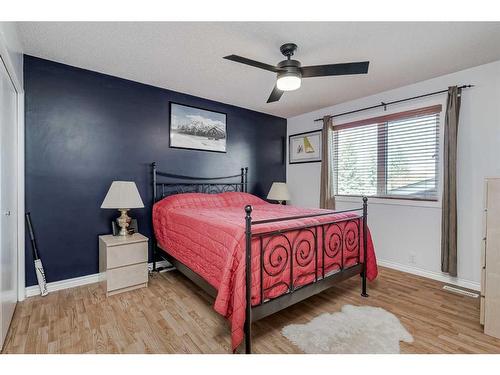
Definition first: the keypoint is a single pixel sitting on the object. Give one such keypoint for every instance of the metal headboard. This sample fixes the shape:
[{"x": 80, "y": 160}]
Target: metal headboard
[{"x": 199, "y": 185}]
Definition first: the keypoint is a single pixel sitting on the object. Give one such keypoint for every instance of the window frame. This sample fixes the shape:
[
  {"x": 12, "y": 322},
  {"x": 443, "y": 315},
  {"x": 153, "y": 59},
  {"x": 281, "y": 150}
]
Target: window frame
[{"x": 381, "y": 121}]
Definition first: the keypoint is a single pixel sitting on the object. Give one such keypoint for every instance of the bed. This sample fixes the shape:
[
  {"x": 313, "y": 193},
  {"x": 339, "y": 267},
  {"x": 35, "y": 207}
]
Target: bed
[{"x": 238, "y": 247}]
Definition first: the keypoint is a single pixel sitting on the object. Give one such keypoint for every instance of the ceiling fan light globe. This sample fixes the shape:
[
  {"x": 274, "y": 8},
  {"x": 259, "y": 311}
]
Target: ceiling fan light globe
[{"x": 288, "y": 82}]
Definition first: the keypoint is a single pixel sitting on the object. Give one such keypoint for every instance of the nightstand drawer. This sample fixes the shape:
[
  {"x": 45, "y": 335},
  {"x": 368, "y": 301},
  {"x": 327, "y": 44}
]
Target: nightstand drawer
[
  {"x": 127, "y": 254},
  {"x": 124, "y": 277},
  {"x": 123, "y": 259}
]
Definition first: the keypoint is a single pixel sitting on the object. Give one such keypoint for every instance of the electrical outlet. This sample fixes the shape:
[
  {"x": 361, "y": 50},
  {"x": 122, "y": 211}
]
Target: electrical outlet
[{"x": 412, "y": 258}]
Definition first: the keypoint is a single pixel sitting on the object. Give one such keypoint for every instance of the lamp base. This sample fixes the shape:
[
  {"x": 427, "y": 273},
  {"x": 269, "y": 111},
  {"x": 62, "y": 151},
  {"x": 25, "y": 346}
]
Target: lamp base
[{"x": 123, "y": 222}]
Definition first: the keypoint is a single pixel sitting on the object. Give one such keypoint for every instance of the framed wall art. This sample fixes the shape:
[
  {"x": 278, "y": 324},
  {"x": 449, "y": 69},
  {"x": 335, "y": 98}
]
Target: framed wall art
[
  {"x": 197, "y": 129},
  {"x": 305, "y": 147}
]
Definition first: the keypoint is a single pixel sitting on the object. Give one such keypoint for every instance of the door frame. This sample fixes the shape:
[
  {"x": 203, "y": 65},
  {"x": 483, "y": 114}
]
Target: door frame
[{"x": 5, "y": 59}]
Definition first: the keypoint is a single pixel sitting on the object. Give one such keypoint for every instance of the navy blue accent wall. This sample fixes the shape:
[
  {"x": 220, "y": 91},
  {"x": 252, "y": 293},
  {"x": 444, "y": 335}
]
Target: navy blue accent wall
[{"x": 85, "y": 129}]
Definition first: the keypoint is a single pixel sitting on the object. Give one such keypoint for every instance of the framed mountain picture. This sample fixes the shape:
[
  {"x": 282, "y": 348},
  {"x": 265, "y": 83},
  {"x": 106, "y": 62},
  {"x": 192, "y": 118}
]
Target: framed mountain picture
[
  {"x": 305, "y": 147},
  {"x": 197, "y": 129}
]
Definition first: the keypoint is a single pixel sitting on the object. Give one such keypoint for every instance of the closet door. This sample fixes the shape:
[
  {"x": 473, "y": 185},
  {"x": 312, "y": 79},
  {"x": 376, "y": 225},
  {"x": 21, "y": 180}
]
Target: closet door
[{"x": 8, "y": 201}]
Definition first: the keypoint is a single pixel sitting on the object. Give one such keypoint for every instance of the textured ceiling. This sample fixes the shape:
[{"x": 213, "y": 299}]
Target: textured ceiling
[{"x": 187, "y": 57}]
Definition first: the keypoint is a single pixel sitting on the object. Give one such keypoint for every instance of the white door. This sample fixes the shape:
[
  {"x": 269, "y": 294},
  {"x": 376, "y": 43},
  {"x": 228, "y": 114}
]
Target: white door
[{"x": 8, "y": 201}]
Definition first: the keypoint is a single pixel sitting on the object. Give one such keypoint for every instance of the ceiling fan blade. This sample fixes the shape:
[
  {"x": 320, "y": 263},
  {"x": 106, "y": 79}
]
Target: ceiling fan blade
[
  {"x": 256, "y": 64},
  {"x": 275, "y": 95},
  {"x": 335, "y": 69}
]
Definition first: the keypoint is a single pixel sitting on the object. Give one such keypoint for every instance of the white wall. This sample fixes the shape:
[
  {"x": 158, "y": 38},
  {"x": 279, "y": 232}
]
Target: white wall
[
  {"x": 11, "y": 46},
  {"x": 403, "y": 230}
]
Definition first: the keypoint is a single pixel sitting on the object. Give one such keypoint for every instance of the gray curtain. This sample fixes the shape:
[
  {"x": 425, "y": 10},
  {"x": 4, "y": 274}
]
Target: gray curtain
[
  {"x": 326, "y": 197},
  {"x": 449, "y": 214}
]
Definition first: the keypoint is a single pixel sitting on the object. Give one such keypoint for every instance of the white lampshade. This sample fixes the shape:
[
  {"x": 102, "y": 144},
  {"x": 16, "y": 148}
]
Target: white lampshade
[
  {"x": 122, "y": 194},
  {"x": 278, "y": 192}
]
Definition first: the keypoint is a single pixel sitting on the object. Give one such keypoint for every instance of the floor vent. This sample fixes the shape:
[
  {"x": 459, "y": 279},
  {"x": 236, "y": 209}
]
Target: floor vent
[{"x": 460, "y": 291}]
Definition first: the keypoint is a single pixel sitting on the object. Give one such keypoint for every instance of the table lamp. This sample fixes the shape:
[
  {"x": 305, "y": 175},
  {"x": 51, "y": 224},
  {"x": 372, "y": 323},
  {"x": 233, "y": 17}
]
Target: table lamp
[
  {"x": 279, "y": 192},
  {"x": 123, "y": 195}
]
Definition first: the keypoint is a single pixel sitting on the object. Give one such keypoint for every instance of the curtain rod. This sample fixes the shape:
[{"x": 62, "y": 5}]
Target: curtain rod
[{"x": 383, "y": 104}]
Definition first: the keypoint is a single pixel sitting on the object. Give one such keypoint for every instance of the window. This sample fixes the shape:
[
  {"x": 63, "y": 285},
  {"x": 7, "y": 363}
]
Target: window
[{"x": 394, "y": 156}]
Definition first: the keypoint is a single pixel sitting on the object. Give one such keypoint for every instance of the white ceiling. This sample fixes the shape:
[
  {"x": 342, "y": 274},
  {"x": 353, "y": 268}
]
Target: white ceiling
[{"x": 187, "y": 57}]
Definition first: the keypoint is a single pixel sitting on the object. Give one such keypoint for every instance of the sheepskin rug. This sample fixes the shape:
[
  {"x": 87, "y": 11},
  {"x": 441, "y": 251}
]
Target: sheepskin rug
[{"x": 354, "y": 330}]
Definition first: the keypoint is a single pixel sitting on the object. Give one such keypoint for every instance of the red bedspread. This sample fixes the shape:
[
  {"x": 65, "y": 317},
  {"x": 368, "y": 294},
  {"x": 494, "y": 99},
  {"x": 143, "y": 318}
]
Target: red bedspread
[{"x": 206, "y": 233}]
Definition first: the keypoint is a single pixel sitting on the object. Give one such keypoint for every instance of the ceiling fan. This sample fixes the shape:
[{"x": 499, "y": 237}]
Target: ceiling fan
[{"x": 290, "y": 72}]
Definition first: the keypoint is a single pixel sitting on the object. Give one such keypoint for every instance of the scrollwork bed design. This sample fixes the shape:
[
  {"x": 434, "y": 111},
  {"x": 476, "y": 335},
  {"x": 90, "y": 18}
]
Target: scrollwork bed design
[{"x": 332, "y": 249}]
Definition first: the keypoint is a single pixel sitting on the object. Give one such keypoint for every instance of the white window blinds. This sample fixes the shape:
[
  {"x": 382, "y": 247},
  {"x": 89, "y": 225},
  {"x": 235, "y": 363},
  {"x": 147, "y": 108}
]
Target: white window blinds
[{"x": 394, "y": 156}]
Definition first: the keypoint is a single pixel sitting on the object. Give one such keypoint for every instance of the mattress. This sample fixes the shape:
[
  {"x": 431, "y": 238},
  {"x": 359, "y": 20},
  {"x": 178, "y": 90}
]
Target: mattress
[{"x": 206, "y": 232}]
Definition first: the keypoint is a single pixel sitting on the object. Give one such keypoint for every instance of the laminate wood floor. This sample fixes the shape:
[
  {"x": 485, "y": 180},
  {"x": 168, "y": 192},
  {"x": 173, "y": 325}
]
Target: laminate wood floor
[{"x": 173, "y": 316}]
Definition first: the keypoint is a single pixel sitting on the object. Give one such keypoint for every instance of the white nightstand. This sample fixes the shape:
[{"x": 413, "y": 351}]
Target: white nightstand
[{"x": 123, "y": 261}]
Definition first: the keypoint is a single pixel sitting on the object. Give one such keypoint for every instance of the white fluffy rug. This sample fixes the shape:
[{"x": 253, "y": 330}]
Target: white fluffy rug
[{"x": 356, "y": 329}]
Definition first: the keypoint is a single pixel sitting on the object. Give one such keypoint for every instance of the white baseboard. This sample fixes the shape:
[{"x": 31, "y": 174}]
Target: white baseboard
[
  {"x": 439, "y": 276},
  {"x": 54, "y": 286},
  {"x": 90, "y": 279}
]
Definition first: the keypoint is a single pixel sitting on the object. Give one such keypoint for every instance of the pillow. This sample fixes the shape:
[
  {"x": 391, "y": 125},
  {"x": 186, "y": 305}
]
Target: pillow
[
  {"x": 238, "y": 199},
  {"x": 191, "y": 200}
]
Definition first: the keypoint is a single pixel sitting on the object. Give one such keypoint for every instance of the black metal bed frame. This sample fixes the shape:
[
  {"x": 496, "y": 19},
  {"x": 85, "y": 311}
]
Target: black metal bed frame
[{"x": 276, "y": 250}]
